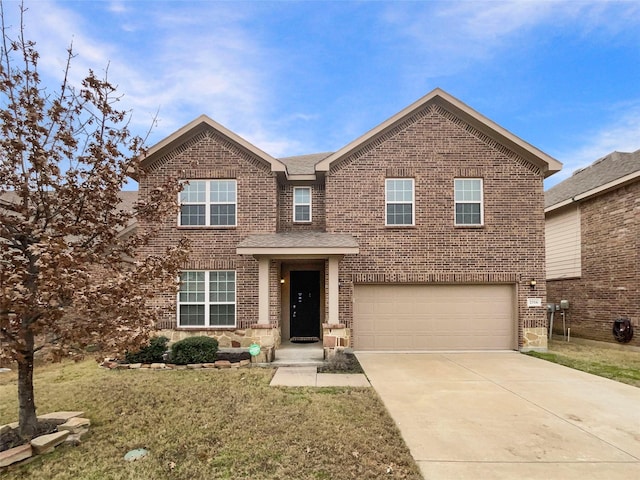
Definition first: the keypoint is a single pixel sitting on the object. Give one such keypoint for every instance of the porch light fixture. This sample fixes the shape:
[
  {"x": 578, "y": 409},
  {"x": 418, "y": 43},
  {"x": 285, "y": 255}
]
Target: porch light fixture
[
  {"x": 282, "y": 280},
  {"x": 533, "y": 283}
]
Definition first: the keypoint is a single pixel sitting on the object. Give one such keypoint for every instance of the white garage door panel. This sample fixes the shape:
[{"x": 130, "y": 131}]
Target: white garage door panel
[{"x": 434, "y": 317}]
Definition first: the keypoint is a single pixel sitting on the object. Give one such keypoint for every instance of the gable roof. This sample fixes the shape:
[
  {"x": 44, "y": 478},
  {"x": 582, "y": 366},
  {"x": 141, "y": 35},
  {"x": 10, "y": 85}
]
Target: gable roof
[
  {"x": 546, "y": 163},
  {"x": 606, "y": 173},
  {"x": 198, "y": 125}
]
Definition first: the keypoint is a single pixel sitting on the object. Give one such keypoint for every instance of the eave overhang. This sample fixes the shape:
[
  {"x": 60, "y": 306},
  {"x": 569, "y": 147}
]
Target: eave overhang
[
  {"x": 617, "y": 183},
  {"x": 298, "y": 245},
  {"x": 197, "y": 126}
]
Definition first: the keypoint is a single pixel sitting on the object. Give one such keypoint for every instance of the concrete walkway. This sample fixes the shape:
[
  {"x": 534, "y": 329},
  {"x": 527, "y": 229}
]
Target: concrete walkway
[
  {"x": 309, "y": 377},
  {"x": 507, "y": 415}
]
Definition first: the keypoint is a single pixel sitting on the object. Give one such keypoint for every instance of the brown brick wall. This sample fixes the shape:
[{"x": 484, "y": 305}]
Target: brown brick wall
[
  {"x": 209, "y": 156},
  {"x": 434, "y": 149},
  {"x": 609, "y": 286},
  {"x": 285, "y": 209}
]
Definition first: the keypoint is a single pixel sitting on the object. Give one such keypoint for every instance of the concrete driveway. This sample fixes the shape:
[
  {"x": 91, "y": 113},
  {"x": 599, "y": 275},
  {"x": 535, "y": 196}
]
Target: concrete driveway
[{"x": 506, "y": 415}]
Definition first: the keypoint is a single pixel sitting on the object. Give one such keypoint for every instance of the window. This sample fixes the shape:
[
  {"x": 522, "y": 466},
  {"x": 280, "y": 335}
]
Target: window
[
  {"x": 399, "y": 201},
  {"x": 207, "y": 299},
  {"x": 209, "y": 203},
  {"x": 468, "y": 201},
  {"x": 302, "y": 204}
]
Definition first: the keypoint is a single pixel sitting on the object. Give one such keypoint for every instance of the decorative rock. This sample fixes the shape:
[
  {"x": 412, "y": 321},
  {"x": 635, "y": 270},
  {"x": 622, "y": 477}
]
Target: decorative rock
[
  {"x": 223, "y": 364},
  {"x": 145, "y": 365},
  {"x": 136, "y": 454},
  {"x": 48, "y": 443},
  {"x": 208, "y": 365},
  {"x": 244, "y": 363},
  {"x": 157, "y": 366},
  {"x": 4, "y": 429},
  {"x": 181, "y": 367},
  {"x": 74, "y": 425},
  {"x": 60, "y": 417},
  {"x": 5, "y": 370},
  {"x": 122, "y": 366},
  {"x": 15, "y": 454},
  {"x": 235, "y": 344},
  {"x": 135, "y": 366},
  {"x": 193, "y": 366},
  {"x": 75, "y": 439}
]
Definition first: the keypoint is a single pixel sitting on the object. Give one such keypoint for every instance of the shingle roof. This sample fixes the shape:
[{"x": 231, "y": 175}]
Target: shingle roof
[
  {"x": 299, "y": 240},
  {"x": 604, "y": 170},
  {"x": 303, "y": 164}
]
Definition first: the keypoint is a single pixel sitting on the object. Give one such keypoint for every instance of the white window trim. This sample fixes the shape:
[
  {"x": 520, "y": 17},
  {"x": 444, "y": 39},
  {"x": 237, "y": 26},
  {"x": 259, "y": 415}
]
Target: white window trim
[
  {"x": 387, "y": 202},
  {"x": 295, "y": 204},
  {"x": 481, "y": 202},
  {"x": 207, "y": 303},
  {"x": 208, "y": 203}
]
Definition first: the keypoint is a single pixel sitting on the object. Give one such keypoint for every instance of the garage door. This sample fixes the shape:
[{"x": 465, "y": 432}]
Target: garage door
[{"x": 434, "y": 317}]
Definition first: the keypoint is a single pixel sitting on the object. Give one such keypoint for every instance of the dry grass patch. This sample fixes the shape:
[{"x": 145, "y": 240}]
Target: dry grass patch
[
  {"x": 622, "y": 365},
  {"x": 211, "y": 424}
]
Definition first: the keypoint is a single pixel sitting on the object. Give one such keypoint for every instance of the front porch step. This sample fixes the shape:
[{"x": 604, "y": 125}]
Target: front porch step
[
  {"x": 296, "y": 363},
  {"x": 303, "y": 355}
]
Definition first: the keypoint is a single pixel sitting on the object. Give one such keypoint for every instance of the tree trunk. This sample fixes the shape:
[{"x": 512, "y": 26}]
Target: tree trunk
[{"x": 26, "y": 402}]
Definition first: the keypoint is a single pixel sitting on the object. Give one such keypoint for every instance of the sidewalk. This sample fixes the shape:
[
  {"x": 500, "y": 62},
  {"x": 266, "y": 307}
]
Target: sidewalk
[{"x": 309, "y": 377}]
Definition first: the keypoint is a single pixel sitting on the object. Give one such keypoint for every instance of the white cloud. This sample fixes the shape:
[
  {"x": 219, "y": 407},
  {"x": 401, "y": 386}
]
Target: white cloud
[
  {"x": 452, "y": 37},
  {"x": 183, "y": 60},
  {"x": 622, "y": 135}
]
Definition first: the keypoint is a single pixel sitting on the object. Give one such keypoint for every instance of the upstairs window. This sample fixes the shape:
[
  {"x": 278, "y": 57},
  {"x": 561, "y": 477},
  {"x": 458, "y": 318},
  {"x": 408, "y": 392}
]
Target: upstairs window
[
  {"x": 208, "y": 203},
  {"x": 468, "y": 201},
  {"x": 302, "y": 204},
  {"x": 399, "y": 200}
]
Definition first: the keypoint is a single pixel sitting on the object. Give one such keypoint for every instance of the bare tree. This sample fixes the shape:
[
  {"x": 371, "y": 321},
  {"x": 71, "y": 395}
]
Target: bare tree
[{"x": 71, "y": 268}]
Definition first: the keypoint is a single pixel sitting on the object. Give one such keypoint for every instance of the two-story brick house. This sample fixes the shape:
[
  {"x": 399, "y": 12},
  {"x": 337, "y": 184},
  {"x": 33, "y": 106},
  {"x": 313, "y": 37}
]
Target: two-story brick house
[{"x": 426, "y": 233}]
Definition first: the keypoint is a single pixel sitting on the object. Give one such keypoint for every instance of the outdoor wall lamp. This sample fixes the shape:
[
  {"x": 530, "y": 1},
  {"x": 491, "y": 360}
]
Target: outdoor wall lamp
[
  {"x": 533, "y": 283},
  {"x": 282, "y": 280}
]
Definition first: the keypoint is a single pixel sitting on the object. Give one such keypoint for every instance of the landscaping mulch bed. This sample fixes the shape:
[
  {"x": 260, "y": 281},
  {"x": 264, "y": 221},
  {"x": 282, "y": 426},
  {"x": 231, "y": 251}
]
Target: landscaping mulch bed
[
  {"x": 233, "y": 357},
  {"x": 342, "y": 363},
  {"x": 11, "y": 439}
]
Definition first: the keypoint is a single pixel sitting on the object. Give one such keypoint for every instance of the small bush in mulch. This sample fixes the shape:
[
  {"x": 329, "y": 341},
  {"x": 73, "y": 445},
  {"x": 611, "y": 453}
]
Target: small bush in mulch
[
  {"x": 11, "y": 438},
  {"x": 341, "y": 362},
  {"x": 151, "y": 353},
  {"x": 200, "y": 349}
]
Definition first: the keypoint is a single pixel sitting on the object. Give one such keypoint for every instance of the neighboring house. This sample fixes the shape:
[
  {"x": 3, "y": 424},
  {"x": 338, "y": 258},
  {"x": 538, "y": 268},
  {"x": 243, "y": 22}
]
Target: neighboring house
[
  {"x": 426, "y": 233},
  {"x": 593, "y": 246}
]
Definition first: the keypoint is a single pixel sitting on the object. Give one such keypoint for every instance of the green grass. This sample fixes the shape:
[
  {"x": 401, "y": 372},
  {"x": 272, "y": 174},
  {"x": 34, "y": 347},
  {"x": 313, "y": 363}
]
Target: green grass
[
  {"x": 210, "y": 424},
  {"x": 616, "y": 364}
]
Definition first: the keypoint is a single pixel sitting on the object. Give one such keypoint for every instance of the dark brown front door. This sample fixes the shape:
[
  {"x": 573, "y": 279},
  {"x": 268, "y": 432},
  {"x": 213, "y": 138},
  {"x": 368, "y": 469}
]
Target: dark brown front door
[{"x": 305, "y": 304}]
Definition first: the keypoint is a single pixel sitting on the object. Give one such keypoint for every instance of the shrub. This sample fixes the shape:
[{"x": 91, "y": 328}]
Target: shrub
[
  {"x": 152, "y": 353},
  {"x": 194, "y": 350}
]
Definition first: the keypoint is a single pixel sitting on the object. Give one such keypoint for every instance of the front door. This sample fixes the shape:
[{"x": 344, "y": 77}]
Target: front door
[{"x": 305, "y": 305}]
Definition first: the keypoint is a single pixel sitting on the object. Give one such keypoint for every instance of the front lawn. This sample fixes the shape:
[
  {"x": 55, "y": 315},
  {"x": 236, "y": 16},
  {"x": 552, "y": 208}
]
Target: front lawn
[
  {"x": 210, "y": 424},
  {"x": 622, "y": 365}
]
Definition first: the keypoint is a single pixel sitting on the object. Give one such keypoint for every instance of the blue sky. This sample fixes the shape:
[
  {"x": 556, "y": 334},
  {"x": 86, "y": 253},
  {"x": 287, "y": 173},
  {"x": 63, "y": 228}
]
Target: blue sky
[{"x": 306, "y": 77}]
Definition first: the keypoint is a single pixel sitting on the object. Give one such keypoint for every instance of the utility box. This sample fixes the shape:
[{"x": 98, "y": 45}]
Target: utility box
[{"x": 564, "y": 304}]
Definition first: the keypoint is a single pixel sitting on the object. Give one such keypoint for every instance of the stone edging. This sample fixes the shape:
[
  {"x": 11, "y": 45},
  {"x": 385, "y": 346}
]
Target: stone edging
[
  {"x": 71, "y": 428},
  {"x": 114, "y": 365}
]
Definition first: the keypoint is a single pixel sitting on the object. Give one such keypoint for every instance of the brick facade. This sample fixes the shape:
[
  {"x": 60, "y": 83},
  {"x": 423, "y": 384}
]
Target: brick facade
[
  {"x": 434, "y": 150},
  {"x": 285, "y": 208},
  {"x": 609, "y": 285},
  {"x": 209, "y": 156},
  {"x": 433, "y": 147}
]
